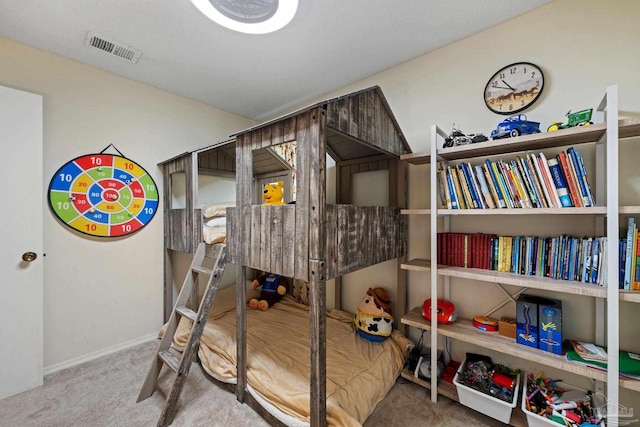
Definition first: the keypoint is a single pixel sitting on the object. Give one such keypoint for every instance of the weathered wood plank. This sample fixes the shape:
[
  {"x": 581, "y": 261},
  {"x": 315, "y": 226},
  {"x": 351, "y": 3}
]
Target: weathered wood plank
[
  {"x": 332, "y": 240},
  {"x": 266, "y": 136},
  {"x": 317, "y": 182},
  {"x": 277, "y": 133},
  {"x": 302, "y": 196},
  {"x": 265, "y": 238},
  {"x": 289, "y": 234},
  {"x": 317, "y": 335},
  {"x": 289, "y": 129},
  {"x": 255, "y": 243},
  {"x": 276, "y": 243}
]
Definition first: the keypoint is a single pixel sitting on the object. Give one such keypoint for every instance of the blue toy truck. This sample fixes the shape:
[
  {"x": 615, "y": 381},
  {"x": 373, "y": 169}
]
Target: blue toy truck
[{"x": 515, "y": 125}]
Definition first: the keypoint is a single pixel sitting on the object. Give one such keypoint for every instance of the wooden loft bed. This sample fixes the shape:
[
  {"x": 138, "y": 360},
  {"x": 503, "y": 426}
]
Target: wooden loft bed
[
  {"x": 310, "y": 240},
  {"x": 183, "y": 224}
]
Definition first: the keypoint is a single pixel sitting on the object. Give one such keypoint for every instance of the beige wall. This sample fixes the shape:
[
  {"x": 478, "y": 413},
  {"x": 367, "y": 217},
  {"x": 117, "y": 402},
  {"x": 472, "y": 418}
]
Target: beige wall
[
  {"x": 101, "y": 295},
  {"x": 582, "y": 47}
]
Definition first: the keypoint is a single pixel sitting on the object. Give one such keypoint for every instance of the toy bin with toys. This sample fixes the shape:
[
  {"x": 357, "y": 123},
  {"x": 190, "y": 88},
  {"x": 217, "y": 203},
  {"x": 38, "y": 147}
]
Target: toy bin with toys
[
  {"x": 488, "y": 388},
  {"x": 549, "y": 403}
]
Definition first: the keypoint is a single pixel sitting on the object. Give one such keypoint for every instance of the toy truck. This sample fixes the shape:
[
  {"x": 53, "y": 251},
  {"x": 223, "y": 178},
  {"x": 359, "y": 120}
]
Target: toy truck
[
  {"x": 579, "y": 118},
  {"x": 515, "y": 125}
]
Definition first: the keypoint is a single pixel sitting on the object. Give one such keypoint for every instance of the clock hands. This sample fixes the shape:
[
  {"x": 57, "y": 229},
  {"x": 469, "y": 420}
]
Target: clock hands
[{"x": 508, "y": 85}]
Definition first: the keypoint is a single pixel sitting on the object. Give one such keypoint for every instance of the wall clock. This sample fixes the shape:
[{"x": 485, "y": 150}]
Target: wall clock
[
  {"x": 514, "y": 88},
  {"x": 103, "y": 195}
]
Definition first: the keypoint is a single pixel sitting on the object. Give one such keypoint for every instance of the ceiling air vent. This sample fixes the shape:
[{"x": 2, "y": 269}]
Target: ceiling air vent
[{"x": 112, "y": 47}]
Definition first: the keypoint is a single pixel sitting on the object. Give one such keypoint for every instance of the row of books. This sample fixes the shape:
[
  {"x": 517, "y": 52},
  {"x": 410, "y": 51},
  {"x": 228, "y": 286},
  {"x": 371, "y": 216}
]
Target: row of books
[
  {"x": 570, "y": 258},
  {"x": 630, "y": 258},
  {"x": 532, "y": 181}
]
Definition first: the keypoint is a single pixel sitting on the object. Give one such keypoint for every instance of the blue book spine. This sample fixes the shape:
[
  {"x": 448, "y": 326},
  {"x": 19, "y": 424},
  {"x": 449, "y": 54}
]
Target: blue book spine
[
  {"x": 501, "y": 202},
  {"x": 585, "y": 180},
  {"x": 560, "y": 183},
  {"x": 581, "y": 177},
  {"x": 631, "y": 228},
  {"x": 483, "y": 185},
  {"x": 595, "y": 253},
  {"x": 452, "y": 193},
  {"x": 622, "y": 259},
  {"x": 586, "y": 269},
  {"x": 468, "y": 176}
]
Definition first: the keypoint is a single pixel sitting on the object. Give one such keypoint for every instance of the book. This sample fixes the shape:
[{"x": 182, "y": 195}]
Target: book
[
  {"x": 484, "y": 187},
  {"x": 501, "y": 199},
  {"x": 532, "y": 180},
  {"x": 498, "y": 200},
  {"x": 589, "y": 351},
  {"x": 452, "y": 193},
  {"x": 631, "y": 225},
  {"x": 521, "y": 188},
  {"x": 634, "y": 247},
  {"x": 583, "y": 171},
  {"x": 559, "y": 183},
  {"x": 541, "y": 180},
  {"x": 572, "y": 158},
  {"x": 501, "y": 185},
  {"x": 468, "y": 198},
  {"x": 576, "y": 197},
  {"x": 636, "y": 281},
  {"x": 548, "y": 178},
  {"x": 456, "y": 188}
]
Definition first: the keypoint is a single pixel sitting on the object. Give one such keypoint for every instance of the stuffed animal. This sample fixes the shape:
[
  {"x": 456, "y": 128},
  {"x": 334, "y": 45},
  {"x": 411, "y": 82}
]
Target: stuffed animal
[
  {"x": 271, "y": 291},
  {"x": 373, "y": 317},
  {"x": 273, "y": 193}
]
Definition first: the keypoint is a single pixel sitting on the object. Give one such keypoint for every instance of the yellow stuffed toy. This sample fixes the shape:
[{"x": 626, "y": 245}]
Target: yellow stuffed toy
[{"x": 273, "y": 193}]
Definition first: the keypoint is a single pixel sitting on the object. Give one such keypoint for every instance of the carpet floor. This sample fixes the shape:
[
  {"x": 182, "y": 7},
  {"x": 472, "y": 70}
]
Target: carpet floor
[{"x": 103, "y": 393}]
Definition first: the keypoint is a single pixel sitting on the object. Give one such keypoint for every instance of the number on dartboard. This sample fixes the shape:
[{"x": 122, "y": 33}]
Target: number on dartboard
[
  {"x": 148, "y": 210},
  {"x": 64, "y": 205},
  {"x": 96, "y": 160},
  {"x": 126, "y": 228},
  {"x": 66, "y": 177}
]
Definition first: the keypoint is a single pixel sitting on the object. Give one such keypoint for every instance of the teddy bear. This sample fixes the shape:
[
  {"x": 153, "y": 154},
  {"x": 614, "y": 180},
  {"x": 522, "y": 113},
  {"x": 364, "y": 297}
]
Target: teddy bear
[
  {"x": 273, "y": 193},
  {"x": 373, "y": 318},
  {"x": 271, "y": 292}
]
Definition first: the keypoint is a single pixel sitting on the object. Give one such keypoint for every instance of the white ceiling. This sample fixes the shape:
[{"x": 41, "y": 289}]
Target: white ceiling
[{"x": 329, "y": 44}]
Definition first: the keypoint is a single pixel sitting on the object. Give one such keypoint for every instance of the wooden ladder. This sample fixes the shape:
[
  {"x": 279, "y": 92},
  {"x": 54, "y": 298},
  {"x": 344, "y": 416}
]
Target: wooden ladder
[{"x": 180, "y": 363}]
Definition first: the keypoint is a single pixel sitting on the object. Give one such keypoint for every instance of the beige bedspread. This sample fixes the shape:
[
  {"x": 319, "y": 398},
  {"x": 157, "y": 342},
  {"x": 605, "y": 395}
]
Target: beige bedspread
[{"x": 359, "y": 373}]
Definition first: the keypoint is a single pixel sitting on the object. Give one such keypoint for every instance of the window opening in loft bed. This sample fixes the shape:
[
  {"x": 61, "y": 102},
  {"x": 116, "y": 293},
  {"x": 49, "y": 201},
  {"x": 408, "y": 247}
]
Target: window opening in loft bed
[{"x": 178, "y": 190}]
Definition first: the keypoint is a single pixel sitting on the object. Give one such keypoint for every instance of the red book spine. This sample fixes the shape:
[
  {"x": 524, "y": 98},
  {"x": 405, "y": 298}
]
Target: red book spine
[{"x": 574, "y": 192}]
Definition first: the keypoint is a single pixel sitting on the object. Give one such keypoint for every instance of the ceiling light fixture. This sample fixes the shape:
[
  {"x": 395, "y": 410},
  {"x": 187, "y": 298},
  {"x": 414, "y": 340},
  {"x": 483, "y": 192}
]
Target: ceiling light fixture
[{"x": 249, "y": 16}]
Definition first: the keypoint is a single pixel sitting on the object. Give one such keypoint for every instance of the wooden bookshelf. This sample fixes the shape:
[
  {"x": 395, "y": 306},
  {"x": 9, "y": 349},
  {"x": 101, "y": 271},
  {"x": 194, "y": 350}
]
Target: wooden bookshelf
[{"x": 464, "y": 330}]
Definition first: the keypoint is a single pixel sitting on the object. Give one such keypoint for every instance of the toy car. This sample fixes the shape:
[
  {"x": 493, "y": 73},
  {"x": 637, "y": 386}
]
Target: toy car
[
  {"x": 579, "y": 118},
  {"x": 456, "y": 137},
  {"x": 515, "y": 125}
]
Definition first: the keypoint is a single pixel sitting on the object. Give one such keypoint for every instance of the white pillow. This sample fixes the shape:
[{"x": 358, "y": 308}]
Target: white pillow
[
  {"x": 217, "y": 210},
  {"x": 217, "y": 222}
]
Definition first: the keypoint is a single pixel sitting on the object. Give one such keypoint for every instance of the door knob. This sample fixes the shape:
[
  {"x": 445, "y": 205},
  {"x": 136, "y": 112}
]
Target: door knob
[{"x": 29, "y": 256}]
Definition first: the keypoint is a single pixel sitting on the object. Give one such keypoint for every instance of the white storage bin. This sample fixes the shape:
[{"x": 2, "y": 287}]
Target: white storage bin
[
  {"x": 535, "y": 420},
  {"x": 488, "y": 405}
]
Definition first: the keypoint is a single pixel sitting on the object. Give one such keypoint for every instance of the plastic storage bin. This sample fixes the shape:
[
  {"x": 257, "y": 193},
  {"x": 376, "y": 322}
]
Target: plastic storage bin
[
  {"x": 535, "y": 420},
  {"x": 488, "y": 405}
]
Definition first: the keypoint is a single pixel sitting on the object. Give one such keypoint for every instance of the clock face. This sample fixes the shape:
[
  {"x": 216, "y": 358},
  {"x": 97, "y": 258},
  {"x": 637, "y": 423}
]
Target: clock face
[{"x": 514, "y": 88}]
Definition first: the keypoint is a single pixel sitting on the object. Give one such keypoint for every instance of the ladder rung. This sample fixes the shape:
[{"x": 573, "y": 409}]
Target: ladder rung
[
  {"x": 171, "y": 357},
  {"x": 198, "y": 269},
  {"x": 186, "y": 312}
]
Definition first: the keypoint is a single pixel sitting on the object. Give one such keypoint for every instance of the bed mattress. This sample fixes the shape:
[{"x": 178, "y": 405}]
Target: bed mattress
[{"x": 360, "y": 373}]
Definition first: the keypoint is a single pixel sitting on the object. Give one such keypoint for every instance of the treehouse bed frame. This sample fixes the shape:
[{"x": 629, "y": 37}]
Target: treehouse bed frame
[{"x": 308, "y": 240}]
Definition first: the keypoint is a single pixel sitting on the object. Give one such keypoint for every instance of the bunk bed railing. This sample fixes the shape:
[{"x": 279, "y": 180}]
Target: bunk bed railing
[{"x": 357, "y": 237}]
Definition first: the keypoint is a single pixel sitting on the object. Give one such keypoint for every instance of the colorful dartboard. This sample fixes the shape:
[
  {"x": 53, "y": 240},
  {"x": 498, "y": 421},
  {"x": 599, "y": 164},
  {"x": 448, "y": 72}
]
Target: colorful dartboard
[{"x": 103, "y": 195}]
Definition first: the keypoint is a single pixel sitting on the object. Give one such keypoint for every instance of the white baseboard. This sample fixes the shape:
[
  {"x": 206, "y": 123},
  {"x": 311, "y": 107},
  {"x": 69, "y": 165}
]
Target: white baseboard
[{"x": 91, "y": 356}]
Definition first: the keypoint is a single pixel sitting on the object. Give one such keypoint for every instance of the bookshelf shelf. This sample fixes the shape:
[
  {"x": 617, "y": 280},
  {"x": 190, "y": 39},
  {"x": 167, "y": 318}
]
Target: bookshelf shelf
[
  {"x": 608, "y": 217},
  {"x": 533, "y": 282},
  {"x": 539, "y": 141},
  {"x": 464, "y": 330}
]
